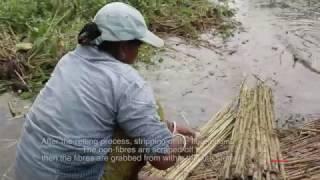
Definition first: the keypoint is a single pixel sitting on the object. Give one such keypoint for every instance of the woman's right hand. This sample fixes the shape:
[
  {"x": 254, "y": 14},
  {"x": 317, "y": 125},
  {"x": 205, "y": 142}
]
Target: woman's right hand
[
  {"x": 190, "y": 147},
  {"x": 177, "y": 149}
]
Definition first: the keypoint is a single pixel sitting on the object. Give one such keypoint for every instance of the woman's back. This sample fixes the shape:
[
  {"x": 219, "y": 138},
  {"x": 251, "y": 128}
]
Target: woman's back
[{"x": 74, "y": 115}]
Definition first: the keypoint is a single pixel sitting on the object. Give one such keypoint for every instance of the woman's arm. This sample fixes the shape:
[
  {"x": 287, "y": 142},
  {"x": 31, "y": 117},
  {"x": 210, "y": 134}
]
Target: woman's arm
[{"x": 137, "y": 116}]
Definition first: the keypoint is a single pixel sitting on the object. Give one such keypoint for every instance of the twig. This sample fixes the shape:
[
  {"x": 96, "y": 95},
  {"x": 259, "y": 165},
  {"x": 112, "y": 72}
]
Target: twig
[{"x": 21, "y": 79}]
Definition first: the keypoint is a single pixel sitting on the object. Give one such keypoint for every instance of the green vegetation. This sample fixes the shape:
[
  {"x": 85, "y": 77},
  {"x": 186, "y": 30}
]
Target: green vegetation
[{"x": 34, "y": 34}]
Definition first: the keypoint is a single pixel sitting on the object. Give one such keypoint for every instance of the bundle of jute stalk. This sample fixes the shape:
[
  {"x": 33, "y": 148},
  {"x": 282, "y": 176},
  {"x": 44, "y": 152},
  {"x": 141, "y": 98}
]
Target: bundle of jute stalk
[
  {"x": 301, "y": 151},
  {"x": 254, "y": 149},
  {"x": 212, "y": 134}
]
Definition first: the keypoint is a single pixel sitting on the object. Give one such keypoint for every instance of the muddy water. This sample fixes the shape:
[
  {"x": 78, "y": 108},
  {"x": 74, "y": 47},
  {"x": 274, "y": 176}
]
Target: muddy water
[{"x": 279, "y": 42}]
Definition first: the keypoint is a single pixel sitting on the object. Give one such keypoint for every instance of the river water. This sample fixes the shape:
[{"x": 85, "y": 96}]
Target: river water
[{"x": 278, "y": 42}]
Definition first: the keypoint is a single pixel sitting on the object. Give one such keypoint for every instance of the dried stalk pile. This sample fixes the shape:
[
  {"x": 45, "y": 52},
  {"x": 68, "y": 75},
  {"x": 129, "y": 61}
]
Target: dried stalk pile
[
  {"x": 11, "y": 67},
  {"x": 254, "y": 146},
  {"x": 212, "y": 134},
  {"x": 7, "y": 55},
  {"x": 7, "y": 46},
  {"x": 301, "y": 150}
]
